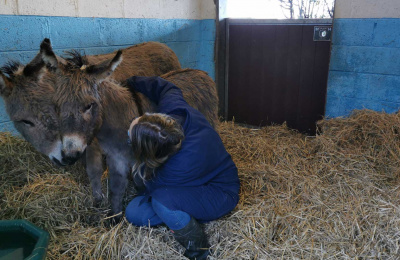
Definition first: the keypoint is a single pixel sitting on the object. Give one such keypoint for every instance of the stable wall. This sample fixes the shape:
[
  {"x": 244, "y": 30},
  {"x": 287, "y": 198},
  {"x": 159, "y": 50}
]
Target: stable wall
[
  {"x": 365, "y": 58},
  {"x": 96, "y": 27}
]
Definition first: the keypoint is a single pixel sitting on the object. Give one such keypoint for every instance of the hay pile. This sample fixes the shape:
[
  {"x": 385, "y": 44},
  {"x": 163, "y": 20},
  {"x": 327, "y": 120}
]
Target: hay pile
[{"x": 333, "y": 196}]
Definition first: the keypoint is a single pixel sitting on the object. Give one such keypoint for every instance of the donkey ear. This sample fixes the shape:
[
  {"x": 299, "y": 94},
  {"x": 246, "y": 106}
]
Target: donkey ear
[
  {"x": 47, "y": 54},
  {"x": 105, "y": 69},
  {"x": 34, "y": 68},
  {"x": 5, "y": 86},
  {"x": 116, "y": 61},
  {"x": 46, "y": 57}
]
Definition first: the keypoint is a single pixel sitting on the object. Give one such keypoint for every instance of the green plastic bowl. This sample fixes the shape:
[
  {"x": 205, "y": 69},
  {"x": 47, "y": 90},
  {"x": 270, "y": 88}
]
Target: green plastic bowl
[{"x": 20, "y": 239}]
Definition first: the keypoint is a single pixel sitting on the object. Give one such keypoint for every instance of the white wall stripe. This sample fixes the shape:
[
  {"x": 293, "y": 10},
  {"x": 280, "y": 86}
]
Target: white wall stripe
[
  {"x": 160, "y": 9},
  {"x": 367, "y": 9}
]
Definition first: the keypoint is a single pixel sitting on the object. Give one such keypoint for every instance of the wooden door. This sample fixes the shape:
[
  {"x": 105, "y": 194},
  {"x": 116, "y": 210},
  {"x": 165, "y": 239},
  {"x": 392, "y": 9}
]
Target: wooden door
[{"x": 276, "y": 73}]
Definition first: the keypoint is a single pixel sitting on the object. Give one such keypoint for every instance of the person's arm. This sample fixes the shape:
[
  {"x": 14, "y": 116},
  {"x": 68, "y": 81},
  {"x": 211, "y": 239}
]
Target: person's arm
[{"x": 164, "y": 94}]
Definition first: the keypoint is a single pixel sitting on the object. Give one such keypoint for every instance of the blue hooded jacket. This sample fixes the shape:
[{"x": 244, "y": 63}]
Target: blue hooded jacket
[{"x": 202, "y": 159}]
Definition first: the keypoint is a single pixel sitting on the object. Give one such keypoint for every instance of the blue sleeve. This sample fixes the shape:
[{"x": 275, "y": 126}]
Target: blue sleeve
[{"x": 164, "y": 94}]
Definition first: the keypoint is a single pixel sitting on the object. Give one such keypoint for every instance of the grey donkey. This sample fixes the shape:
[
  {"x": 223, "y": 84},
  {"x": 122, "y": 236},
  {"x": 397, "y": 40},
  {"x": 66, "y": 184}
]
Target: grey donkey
[
  {"x": 93, "y": 105},
  {"x": 28, "y": 94}
]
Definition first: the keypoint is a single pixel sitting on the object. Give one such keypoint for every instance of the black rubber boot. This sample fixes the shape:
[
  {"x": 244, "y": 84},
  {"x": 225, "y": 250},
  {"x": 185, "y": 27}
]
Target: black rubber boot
[{"x": 193, "y": 238}]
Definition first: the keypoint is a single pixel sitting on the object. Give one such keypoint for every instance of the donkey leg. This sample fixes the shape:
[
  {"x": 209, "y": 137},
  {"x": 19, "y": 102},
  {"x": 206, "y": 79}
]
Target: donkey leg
[
  {"x": 94, "y": 169},
  {"x": 118, "y": 170}
]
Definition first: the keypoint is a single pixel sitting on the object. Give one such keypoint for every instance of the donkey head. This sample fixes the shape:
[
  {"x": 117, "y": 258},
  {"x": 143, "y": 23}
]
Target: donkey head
[
  {"x": 27, "y": 92},
  {"x": 78, "y": 99}
]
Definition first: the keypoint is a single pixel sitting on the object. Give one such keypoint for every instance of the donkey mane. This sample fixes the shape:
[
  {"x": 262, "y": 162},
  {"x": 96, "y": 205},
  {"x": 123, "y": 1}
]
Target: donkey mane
[
  {"x": 11, "y": 68},
  {"x": 75, "y": 60}
]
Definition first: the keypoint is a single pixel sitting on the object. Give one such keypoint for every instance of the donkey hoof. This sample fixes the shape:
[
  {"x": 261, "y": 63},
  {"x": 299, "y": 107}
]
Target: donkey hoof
[
  {"x": 98, "y": 198},
  {"x": 97, "y": 202}
]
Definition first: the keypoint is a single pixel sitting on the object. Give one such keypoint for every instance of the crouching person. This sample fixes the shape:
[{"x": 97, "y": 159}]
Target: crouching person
[{"x": 188, "y": 175}]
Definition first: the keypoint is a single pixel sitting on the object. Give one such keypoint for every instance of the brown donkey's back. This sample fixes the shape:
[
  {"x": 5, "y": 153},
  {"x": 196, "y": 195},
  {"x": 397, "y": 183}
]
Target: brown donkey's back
[
  {"x": 199, "y": 91},
  {"x": 145, "y": 59}
]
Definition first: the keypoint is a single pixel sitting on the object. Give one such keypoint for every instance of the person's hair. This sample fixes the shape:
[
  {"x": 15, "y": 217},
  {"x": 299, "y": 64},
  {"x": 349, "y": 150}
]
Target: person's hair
[{"x": 154, "y": 139}]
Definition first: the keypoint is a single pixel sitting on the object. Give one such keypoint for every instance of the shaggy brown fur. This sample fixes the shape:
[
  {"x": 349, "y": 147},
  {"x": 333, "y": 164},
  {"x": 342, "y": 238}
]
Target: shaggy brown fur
[
  {"x": 204, "y": 98},
  {"x": 146, "y": 59}
]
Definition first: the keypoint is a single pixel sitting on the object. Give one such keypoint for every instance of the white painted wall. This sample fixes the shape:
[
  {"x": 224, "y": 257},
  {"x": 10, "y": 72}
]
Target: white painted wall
[
  {"x": 367, "y": 9},
  {"x": 160, "y": 9}
]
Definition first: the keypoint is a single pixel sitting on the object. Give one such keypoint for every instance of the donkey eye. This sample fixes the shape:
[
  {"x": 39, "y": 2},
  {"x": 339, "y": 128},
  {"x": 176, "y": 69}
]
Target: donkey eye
[
  {"x": 27, "y": 122},
  {"x": 88, "y": 107}
]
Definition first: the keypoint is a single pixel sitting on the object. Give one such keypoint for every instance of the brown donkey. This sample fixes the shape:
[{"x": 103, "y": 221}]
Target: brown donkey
[
  {"x": 28, "y": 93},
  {"x": 93, "y": 105}
]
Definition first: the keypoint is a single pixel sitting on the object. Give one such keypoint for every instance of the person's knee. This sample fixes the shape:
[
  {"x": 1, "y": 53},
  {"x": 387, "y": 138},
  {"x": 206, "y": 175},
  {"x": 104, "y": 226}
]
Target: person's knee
[
  {"x": 139, "y": 213},
  {"x": 132, "y": 213},
  {"x": 174, "y": 219},
  {"x": 158, "y": 206}
]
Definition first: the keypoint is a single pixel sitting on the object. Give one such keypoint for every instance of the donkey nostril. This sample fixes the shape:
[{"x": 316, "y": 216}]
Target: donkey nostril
[
  {"x": 70, "y": 159},
  {"x": 57, "y": 162},
  {"x": 78, "y": 154},
  {"x": 62, "y": 153}
]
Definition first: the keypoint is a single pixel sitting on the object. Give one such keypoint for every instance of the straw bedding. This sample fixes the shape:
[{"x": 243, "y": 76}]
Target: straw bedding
[{"x": 333, "y": 196}]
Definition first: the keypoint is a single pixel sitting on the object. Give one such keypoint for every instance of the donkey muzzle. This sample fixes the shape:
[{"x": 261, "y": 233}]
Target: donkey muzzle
[
  {"x": 73, "y": 148},
  {"x": 70, "y": 157}
]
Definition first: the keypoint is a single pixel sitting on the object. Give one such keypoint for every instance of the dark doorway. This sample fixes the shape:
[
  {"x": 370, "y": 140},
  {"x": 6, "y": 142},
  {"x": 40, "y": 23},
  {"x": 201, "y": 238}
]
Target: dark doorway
[{"x": 276, "y": 72}]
